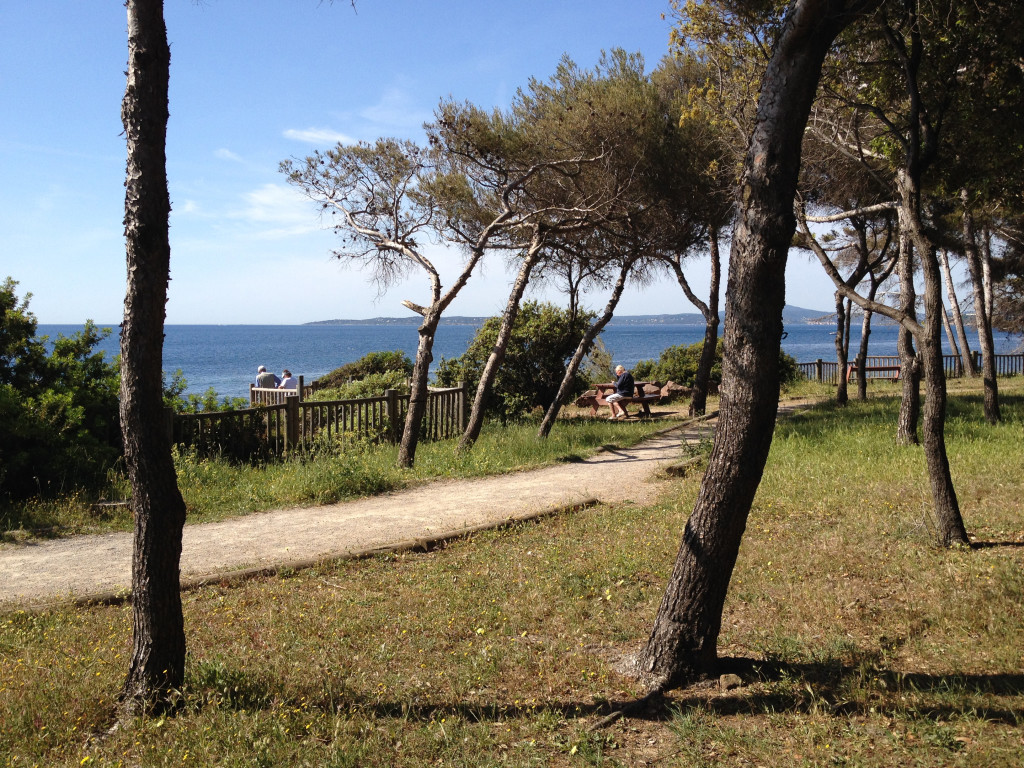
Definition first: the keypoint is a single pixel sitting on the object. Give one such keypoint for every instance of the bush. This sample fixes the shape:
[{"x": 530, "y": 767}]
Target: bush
[
  {"x": 371, "y": 364},
  {"x": 372, "y": 385},
  {"x": 59, "y": 424},
  {"x": 679, "y": 364},
  {"x": 543, "y": 340},
  {"x": 208, "y": 402}
]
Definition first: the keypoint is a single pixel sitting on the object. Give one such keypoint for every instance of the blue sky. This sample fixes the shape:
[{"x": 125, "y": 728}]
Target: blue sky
[{"x": 254, "y": 82}]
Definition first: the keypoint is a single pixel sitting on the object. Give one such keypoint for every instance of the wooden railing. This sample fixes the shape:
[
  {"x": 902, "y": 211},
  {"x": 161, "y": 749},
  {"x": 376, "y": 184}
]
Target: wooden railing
[
  {"x": 828, "y": 371},
  {"x": 282, "y": 421}
]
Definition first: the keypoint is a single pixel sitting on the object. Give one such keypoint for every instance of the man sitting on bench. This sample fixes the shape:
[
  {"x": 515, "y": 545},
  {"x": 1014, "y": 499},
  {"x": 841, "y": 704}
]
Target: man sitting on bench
[{"x": 624, "y": 388}]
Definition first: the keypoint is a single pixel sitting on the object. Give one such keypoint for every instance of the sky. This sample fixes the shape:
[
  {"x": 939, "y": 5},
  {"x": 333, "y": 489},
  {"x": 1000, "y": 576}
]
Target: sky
[{"x": 255, "y": 82}]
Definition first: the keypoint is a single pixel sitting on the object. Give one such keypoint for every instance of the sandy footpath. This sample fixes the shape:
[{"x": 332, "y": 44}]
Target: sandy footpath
[{"x": 98, "y": 566}]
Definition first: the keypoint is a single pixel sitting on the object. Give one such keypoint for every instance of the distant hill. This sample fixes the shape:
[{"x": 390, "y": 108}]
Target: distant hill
[{"x": 792, "y": 315}]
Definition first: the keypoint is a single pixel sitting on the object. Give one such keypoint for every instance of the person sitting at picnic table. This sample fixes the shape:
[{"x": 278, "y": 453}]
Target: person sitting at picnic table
[
  {"x": 288, "y": 381},
  {"x": 624, "y": 387},
  {"x": 265, "y": 379}
]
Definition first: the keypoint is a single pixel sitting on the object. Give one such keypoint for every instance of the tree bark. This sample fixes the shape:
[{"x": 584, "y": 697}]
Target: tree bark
[
  {"x": 702, "y": 379},
  {"x": 983, "y": 319},
  {"x": 946, "y": 508},
  {"x": 497, "y": 356},
  {"x": 582, "y": 349},
  {"x": 865, "y": 336},
  {"x": 418, "y": 388},
  {"x": 682, "y": 643},
  {"x": 910, "y": 370},
  {"x": 842, "y": 353},
  {"x": 948, "y": 328},
  {"x": 964, "y": 351},
  {"x": 157, "y": 664}
]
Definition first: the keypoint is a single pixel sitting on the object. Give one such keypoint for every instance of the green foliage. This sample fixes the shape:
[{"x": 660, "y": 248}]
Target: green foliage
[
  {"x": 374, "y": 363},
  {"x": 543, "y": 339},
  {"x": 370, "y": 385},
  {"x": 679, "y": 364},
  {"x": 208, "y": 402},
  {"x": 59, "y": 424}
]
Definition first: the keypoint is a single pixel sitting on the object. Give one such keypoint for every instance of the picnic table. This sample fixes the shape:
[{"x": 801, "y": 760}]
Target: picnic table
[{"x": 643, "y": 398}]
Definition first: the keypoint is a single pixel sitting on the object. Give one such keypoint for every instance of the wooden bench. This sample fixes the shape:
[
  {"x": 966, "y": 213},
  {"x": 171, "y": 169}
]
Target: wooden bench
[
  {"x": 894, "y": 370},
  {"x": 641, "y": 398}
]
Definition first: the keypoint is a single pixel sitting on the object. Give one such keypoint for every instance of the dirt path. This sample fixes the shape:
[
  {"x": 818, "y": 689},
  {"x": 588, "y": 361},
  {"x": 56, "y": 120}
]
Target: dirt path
[{"x": 98, "y": 567}]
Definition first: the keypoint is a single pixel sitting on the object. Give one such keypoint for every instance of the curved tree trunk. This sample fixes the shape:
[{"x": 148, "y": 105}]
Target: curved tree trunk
[
  {"x": 983, "y": 319},
  {"x": 964, "y": 351},
  {"x": 842, "y": 354},
  {"x": 157, "y": 665},
  {"x": 497, "y": 356},
  {"x": 952, "y": 342},
  {"x": 582, "y": 349},
  {"x": 702, "y": 379},
  {"x": 865, "y": 336},
  {"x": 682, "y": 643},
  {"x": 910, "y": 371},
  {"x": 418, "y": 390},
  {"x": 946, "y": 509}
]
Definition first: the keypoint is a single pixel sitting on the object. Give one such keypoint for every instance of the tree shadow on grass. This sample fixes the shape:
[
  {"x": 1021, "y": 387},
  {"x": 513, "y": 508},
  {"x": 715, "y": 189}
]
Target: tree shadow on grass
[{"x": 768, "y": 687}]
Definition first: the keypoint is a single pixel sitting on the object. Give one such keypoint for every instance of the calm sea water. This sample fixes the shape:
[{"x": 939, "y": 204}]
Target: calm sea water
[{"x": 225, "y": 357}]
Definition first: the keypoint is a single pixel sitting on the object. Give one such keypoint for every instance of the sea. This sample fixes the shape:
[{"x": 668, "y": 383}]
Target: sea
[{"x": 225, "y": 357}]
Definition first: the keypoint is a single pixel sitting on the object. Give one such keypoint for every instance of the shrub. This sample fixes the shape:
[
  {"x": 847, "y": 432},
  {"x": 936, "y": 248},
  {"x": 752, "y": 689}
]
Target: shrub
[
  {"x": 59, "y": 426},
  {"x": 372, "y": 385},
  {"x": 679, "y": 364},
  {"x": 543, "y": 339},
  {"x": 368, "y": 365},
  {"x": 208, "y": 402}
]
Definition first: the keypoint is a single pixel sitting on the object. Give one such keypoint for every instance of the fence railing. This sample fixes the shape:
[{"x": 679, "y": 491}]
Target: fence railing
[
  {"x": 828, "y": 371},
  {"x": 280, "y": 421}
]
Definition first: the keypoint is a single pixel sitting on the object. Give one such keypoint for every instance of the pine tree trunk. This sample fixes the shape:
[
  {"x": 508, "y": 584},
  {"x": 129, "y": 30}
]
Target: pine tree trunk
[
  {"x": 842, "y": 394},
  {"x": 418, "y": 390},
  {"x": 910, "y": 370},
  {"x": 682, "y": 644},
  {"x": 582, "y": 349},
  {"x": 702, "y": 379},
  {"x": 157, "y": 664},
  {"x": 497, "y": 356},
  {"x": 983, "y": 319},
  {"x": 964, "y": 351},
  {"x": 946, "y": 509},
  {"x": 865, "y": 336}
]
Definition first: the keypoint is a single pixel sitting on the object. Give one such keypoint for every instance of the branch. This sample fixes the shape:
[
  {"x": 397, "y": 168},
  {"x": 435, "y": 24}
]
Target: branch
[{"x": 866, "y": 211}]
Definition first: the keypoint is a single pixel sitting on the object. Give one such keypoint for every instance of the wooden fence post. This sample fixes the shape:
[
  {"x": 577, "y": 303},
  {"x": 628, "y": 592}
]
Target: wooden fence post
[
  {"x": 291, "y": 414},
  {"x": 300, "y": 388},
  {"x": 817, "y": 364},
  {"x": 463, "y": 406},
  {"x": 391, "y": 411}
]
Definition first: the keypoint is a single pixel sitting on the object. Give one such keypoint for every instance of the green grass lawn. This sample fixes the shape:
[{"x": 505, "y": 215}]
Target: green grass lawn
[
  {"x": 859, "y": 642},
  {"x": 216, "y": 489}
]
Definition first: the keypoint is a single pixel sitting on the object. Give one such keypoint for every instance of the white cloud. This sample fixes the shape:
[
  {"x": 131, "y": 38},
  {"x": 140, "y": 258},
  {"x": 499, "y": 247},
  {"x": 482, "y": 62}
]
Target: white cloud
[
  {"x": 396, "y": 109},
  {"x": 285, "y": 211},
  {"x": 318, "y": 136},
  {"x": 227, "y": 154}
]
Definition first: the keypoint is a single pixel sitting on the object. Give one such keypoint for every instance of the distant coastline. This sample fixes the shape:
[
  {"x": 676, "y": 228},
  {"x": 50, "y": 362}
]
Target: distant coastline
[{"x": 791, "y": 315}]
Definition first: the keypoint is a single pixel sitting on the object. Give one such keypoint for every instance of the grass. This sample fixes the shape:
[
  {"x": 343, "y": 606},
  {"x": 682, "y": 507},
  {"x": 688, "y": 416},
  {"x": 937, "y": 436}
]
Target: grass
[
  {"x": 859, "y": 643},
  {"x": 216, "y": 489}
]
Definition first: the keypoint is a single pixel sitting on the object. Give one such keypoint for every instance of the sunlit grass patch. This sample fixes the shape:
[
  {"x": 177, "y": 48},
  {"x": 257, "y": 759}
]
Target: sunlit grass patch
[{"x": 857, "y": 641}]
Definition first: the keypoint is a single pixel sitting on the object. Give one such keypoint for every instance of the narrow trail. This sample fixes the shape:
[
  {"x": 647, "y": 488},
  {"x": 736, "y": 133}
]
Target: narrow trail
[{"x": 98, "y": 567}]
